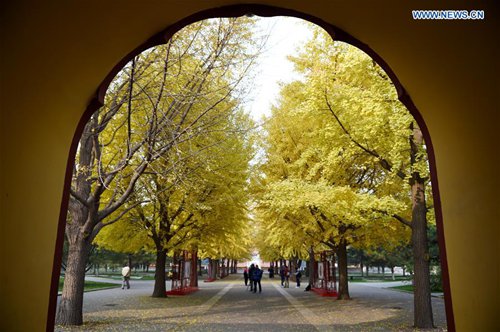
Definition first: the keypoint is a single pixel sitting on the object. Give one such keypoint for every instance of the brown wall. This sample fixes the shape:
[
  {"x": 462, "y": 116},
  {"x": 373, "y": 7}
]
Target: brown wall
[{"x": 54, "y": 55}]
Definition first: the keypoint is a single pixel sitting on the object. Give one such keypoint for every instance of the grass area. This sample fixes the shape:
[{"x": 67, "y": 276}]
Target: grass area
[
  {"x": 116, "y": 275},
  {"x": 147, "y": 277},
  {"x": 377, "y": 278},
  {"x": 91, "y": 285},
  {"x": 119, "y": 276},
  {"x": 405, "y": 288},
  {"x": 409, "y": 288}
]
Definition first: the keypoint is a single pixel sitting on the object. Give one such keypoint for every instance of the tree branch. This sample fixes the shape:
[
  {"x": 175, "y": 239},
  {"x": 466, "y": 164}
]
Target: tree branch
[
  {"x": 101, "y": 223},
  {"x": 78, "y": 197},
  {"x": 402, "y": 220},
  {"x": 383, "y": 162}
]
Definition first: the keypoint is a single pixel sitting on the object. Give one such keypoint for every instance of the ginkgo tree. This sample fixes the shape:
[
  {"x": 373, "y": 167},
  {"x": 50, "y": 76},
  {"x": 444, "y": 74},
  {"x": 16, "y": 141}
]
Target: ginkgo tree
[
  {"x": 166, "y": 96},
  {"x": 363, "y": 104},
  {"x": 224, "y": 231},
  {"x": 201, "y": 206},
  {"x": 342, "y": 126},
  {"x": 304, "y": 164}
]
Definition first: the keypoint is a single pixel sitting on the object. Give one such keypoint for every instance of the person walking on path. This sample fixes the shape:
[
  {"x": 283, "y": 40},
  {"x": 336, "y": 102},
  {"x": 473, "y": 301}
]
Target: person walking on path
[
  {"x": 282, "y": 274},
  {"x": 245, "y": 275},
  {"x": 257, "y": 276},
  {"x": 250, "y": 275},
  {"x": 271, "y": 272},
  {"x": 298, "y": 275},
  {"x": 286, "y": 272},
  {"x": 126, "y": 276}
]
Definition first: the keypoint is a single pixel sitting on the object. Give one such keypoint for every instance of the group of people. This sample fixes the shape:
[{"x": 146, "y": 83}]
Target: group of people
[{"x": 253, "y": 274}]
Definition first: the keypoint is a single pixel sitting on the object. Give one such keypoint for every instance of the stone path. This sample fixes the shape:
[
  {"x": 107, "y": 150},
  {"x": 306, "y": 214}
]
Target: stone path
[{"x": 227, "y": 305}]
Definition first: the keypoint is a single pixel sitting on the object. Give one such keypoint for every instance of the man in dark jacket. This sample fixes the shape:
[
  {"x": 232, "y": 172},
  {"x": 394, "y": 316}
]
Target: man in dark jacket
[
  {"x": 251, "y": 271},
  {"x": 257, "y": 276}
]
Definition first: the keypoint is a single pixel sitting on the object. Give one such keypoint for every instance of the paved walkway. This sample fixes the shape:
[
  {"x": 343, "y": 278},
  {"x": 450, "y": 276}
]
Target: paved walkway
[{"x": 227, "y": 305}]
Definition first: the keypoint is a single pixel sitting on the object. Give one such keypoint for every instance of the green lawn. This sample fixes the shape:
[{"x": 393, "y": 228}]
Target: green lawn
[
  {"x": 409, "y": 288},
  {"x": 91, "y": 285},
  {"x": 134, "y": 276},
  {"x": 377, "y": 279},
  {"x": 405, "y": 288}
]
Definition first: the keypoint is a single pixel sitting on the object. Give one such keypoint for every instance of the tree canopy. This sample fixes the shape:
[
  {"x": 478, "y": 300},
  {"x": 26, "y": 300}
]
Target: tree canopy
[{"x": 316, "y": 179}]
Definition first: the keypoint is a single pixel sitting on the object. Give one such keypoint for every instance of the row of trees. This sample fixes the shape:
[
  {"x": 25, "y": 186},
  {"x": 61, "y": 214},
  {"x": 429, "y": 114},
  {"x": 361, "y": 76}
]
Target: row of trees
[
  {"x": 170, "y": 163},
  {"x": 164, "y": 164},
  {"x": 344, "y": 167}
]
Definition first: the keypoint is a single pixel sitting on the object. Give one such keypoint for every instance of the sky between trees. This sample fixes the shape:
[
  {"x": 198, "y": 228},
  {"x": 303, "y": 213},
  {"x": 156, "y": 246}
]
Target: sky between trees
[{"x": 286, "y": 34}]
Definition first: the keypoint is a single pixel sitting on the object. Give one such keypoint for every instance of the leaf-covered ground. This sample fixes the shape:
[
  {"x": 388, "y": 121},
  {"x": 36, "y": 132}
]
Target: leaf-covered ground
[{"x": 227, "y": 305}]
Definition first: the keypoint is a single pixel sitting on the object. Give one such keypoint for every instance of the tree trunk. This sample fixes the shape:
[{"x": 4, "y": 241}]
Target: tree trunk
[
  {"x": 70, "y": 307},
  {"x": 213, "y": 268},
  {"x": 160, "y": 287},
  {"x": 361, "y": 268},
  {"x": 422, "y": 291},
  {"x": 293, "y": 269},
  {"x": 311, "y": 266},
  {"x": 194, "y": 267},
  {"x": 334, "y": 272},
  {"x": 222, "y": 267},
  {"x": 343, "y": 282},
  {"x": 130, "y": 261}
]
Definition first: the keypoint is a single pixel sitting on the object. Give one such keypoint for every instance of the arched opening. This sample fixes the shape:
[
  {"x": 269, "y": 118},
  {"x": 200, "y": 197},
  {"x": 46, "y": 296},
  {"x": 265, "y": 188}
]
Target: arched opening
[{"x": 235, "y": 11}]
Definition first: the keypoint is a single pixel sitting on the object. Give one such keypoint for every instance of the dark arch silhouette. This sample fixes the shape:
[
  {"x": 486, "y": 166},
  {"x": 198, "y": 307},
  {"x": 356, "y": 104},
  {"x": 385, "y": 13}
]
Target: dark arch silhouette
[{"x": 236, "y": 11}]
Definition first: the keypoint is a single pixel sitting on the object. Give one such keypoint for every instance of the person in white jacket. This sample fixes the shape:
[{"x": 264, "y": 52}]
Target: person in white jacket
[{"x": 126, "y": 276}]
